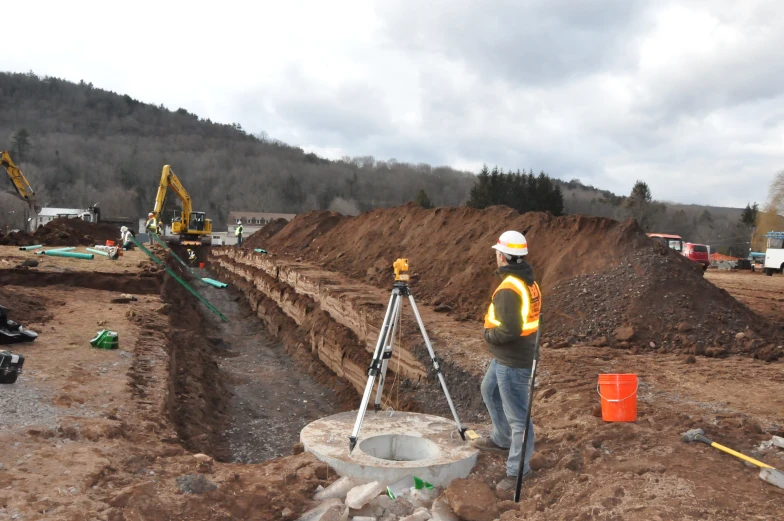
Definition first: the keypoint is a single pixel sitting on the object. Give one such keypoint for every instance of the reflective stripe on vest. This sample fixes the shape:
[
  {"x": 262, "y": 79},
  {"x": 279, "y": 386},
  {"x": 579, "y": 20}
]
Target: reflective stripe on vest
[{"x": 532, "y": 304}]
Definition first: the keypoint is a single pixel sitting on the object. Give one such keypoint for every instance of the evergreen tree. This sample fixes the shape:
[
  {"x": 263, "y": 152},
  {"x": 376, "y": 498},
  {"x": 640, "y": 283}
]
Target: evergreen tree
[
  {"x": 20, "y": 143},
  {"x": 749, "y": 215},
  {"x": 639, "y": 204},
  {"x": 423, "y": 200},
  {"x": 518, "y": 190}
]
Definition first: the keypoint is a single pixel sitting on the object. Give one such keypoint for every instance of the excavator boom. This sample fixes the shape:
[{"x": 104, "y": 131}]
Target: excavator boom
[
  {"x": 23, "y": 189},
  {"x": 191, "y": 226}
]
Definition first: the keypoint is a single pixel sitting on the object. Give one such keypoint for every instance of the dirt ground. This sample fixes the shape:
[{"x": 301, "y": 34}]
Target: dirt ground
[
  {"x": 11, "y": 256},
  {"x": 589, "y": 469},
  {"x": 94, "y": 434},
  {"x": 114, "y": 435},
  {"x": 763, "y": 294}
]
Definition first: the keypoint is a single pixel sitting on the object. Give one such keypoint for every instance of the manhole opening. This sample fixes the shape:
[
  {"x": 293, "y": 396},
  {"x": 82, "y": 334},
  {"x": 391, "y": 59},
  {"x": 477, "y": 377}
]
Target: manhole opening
[{"x": 399, "y": 447}]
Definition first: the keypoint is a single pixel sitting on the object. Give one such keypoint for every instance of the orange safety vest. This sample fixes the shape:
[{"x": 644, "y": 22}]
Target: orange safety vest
[{"x": 532, "y": 305}]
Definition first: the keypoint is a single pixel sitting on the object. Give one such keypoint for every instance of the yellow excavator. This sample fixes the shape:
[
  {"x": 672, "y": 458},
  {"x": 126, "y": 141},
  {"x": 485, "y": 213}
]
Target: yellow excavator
[
  {"x": 23, "y": 189},
  {"x": 190, "y": 228}
]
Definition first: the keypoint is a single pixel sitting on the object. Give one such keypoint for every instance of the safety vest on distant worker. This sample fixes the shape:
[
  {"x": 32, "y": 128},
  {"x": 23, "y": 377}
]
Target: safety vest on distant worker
[
  {"x": 152, "y": 224},
  {"x": 532, "y": 305},
  {"x": 238, "y": 230}
]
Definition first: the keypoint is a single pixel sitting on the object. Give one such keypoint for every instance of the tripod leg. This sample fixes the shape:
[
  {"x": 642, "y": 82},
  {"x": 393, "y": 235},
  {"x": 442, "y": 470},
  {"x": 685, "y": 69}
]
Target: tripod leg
[
  {"x": 519, "y": 486},
  {"x": 375, "y": 366},
  {"x": 387, "y": 353},
  {"x": 436, "y": 366}
]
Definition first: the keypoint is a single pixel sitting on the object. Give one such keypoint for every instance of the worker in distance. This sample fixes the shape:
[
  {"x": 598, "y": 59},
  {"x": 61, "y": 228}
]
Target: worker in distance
[{"x": 511, "y": 323}]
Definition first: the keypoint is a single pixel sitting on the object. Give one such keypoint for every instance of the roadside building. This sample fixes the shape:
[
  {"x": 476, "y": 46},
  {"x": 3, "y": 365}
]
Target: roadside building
[{"x": 251, "y": 223}]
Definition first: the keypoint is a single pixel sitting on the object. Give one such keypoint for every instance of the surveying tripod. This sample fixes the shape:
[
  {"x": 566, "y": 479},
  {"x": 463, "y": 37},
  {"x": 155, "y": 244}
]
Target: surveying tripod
[{"x": 383, "y": 351}]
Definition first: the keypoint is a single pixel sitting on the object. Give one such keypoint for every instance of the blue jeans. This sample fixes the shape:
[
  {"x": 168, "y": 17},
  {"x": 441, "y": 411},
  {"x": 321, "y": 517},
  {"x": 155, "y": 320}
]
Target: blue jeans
[
  {"x": 239, "y": 240},
  {"x": 505, "y": 392}
]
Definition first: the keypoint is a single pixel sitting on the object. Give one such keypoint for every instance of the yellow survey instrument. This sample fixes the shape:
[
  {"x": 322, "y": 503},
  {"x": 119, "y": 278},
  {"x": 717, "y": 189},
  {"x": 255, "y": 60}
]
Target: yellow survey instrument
[{"x": 401, "y": 269}]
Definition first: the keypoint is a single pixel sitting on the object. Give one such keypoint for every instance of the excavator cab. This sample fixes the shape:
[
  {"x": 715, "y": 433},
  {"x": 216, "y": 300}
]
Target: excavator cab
[{"x": 197, "y": 221}]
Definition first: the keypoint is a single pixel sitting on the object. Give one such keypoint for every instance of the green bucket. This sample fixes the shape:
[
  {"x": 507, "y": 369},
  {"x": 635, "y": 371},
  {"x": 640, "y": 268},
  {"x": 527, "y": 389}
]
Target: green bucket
[{"x": 106, "y": 339}]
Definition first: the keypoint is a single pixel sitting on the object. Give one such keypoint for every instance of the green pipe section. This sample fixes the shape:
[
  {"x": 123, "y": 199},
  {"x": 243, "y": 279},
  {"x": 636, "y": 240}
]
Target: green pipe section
[
  {"x": 70, "y": 254},
  {"x": 28, "y": 248},
  {"x": 43, "y": 252},
  {"x": 166, "y": 247},
  {"x": 216, "y": 283},
  {"x": 147, "y": 252},
  {"x": 178, "y": 279},
  {"x": 98, "y": 252}
]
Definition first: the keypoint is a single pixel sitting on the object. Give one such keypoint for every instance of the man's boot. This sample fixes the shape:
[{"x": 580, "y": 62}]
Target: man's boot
[{"x": 486, "y": 444}]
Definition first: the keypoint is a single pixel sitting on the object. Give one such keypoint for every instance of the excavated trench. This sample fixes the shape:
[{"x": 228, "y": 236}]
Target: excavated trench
[
  {"x": 270, "y": 397},
  {"x": 334, "y": 323}
]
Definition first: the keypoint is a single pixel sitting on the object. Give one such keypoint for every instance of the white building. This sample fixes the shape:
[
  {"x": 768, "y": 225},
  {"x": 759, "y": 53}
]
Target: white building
[
  {"x": 251, "y": 223},
  {"x": 50, "y": 214}
]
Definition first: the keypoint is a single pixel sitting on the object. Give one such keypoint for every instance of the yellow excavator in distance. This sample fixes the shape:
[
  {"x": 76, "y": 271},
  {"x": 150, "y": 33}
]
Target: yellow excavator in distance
[
  {"x": 23, "y": 189},
  {"x": 191, "y": 228}
]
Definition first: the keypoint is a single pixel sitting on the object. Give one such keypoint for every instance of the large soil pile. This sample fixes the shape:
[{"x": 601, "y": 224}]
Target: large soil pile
[
  {"x": 64, "y": 232},
  {"x": 596, "y": 274},
  {"x": 260, "y": 238}
]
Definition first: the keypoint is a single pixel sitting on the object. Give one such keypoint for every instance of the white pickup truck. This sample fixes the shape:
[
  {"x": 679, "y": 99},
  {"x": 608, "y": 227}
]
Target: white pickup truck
[{"x": 774, "y": 255}]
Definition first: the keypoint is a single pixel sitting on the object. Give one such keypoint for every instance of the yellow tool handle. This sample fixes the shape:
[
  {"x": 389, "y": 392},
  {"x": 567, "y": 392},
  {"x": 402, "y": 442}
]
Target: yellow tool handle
[{"x": 741, "y": 456}]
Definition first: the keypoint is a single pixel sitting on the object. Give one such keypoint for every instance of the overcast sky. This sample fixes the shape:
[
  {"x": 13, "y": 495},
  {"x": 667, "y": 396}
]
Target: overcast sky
[{"x": 688, "y": 96}]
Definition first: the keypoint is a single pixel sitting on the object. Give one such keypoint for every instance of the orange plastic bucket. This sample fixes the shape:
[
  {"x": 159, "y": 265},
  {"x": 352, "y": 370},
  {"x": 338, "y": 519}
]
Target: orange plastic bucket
[
  {"x": 201, "y": 265},
  {"x": 110, "y": 243},
  {"x": 619, "y": 397}
]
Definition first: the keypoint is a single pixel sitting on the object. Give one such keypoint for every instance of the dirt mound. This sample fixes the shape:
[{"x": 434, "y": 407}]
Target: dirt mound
[
  {"x": 309, "y": 226},
  {"x": 260, "y": 238},
  {"x": 63, "y": 232},
  {"x": 597, "y": 274}
]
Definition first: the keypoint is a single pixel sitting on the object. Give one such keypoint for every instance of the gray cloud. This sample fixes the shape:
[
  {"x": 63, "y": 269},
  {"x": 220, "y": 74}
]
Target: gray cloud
[{"x": 685, "y": 95}]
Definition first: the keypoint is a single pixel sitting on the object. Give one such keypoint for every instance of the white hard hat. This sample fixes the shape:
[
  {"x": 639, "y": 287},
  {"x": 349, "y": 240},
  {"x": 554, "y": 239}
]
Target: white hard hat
[
  {"x": 124, "y": 229},
  {"x": 150, "y": 214},
  {"x": 512, "y": 243}
]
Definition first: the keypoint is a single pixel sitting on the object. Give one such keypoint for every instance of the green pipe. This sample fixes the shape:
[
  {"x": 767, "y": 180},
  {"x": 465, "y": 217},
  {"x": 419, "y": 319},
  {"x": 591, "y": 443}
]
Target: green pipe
[
  {"x": 42, "y": 252},
  {"x": 98, "y": 252},
  {"x": 259, "y": 250},
  {"x": 71, "y": 254},
  {"x": 28, "y": 248},
  {"x": 215, "y": 283},
  {"x": 166, "y": 247},
  {"x": 178, "y": 279}
]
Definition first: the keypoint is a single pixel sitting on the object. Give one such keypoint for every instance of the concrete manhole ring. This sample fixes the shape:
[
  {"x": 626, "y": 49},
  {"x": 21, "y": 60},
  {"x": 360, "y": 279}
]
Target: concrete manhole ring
[{"x": 391, "y": 446}]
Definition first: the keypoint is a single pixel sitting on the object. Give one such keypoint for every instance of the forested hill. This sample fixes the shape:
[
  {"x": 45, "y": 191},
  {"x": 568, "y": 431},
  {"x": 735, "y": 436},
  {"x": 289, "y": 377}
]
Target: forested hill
[
  {"x": 85, "y": 145},
  {"x": 80, "y": 145}
]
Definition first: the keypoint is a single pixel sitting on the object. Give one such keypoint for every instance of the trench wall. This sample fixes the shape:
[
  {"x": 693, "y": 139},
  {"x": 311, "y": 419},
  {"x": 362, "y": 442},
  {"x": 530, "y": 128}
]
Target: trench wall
[{"x": 338, "y": 321}]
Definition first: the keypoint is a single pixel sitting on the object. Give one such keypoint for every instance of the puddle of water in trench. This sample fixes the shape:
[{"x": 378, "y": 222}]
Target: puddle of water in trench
[{"x": 272, "y": 397}]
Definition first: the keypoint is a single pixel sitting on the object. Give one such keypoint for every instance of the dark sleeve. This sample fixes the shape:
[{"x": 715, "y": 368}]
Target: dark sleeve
[{"x": 508, "y": 307}]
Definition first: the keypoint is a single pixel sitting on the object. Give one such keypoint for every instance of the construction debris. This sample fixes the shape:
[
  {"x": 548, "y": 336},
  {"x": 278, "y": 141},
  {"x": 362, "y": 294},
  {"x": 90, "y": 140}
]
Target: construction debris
[
  {"x": 12, "y": 332},
  {"x": 10, "y": 367}
]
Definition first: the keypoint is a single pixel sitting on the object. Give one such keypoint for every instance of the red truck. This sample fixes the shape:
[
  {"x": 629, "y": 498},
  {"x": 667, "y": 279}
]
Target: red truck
[{"x": 699, "y": 253}]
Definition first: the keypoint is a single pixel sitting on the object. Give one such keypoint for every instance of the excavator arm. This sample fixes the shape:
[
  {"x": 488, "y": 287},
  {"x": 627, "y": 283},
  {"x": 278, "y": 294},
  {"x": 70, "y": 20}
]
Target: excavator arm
[
  {"x": 191, "y": 225},
  {"x": 23, "y": 189},
  {"x": 169, "y": 180}
]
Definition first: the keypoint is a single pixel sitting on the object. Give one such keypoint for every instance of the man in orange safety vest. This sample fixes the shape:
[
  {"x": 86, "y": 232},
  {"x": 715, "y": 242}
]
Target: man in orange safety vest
[{"x": 511, "y": 324}]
